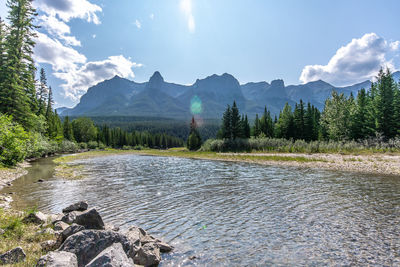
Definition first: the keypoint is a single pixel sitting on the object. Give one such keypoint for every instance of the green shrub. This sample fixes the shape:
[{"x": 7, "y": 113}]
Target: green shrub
[
  {"x": 83, "y": 145},
  {"x": 13, "y": 140},
  {"x": 92, "y": 145},
  {"x": 126, "y": 148},
  {"x": 68, "y": 146}
]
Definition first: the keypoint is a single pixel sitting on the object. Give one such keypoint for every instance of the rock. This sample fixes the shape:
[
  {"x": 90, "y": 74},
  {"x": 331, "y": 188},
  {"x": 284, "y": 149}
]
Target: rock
[
  {"x": 47, "y": 231},
  {"x": 113, "y": 256},
  {"x": 2, "y": 231},
  {"x": 111, "y": 227},
  {"x": 36, "y": 218},
  {"x": 164, "y": 247},
  {"x": 60, "y": 226},
  {"x": 87, "y": 244},
  {"x": 134, "y": 235},
  {"x": 58, "y": 259},
  {"x": 13, "y": 256},
  {"x": 69, "y": 217},
  {"x": 91, "y": 219},
  {"x": 192, "y": 258},
  {"x": 148, "y": 255},
  {"x": 40, "y": 181},
  {"x": 54, "y": 218},
  {"x": 50, "y": 245},
  {"x": 71, "y": 230},
  {"x": 78, "y": 206}
]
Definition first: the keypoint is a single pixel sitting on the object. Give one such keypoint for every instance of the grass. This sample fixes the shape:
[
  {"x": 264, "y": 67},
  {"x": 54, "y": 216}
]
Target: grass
[
  {"x": 184, "y": 153},
  {"x": 17, "y": 233}
]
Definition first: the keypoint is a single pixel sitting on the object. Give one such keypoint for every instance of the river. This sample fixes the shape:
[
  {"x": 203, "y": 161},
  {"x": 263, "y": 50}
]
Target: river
[{"x": 235, "y": 214}]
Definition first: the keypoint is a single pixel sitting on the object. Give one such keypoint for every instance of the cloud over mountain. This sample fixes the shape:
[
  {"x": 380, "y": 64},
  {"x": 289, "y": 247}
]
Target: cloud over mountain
[
  {"x": 79, "y": 79},
  {"x": 357, "y": 61}
]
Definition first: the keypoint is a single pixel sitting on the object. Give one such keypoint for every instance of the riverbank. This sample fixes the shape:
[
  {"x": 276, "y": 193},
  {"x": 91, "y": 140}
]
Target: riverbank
[
  {"x": 376, "y": 163},
  {"x": 7, "y": 175}
]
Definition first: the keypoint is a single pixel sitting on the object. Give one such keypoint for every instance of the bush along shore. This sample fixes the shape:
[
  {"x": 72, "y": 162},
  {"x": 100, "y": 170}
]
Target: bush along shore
[{"x": 78, "y": 237}]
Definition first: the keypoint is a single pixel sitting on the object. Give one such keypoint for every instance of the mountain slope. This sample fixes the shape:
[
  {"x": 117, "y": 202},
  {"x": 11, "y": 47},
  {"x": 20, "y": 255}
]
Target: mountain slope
[{"x": 157, "y": 98}]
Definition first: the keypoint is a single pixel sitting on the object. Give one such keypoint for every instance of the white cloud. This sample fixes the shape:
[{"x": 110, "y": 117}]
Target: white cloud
[
  {"x": 94, "y": 36},
  {"x": 186, "y": 7},
  {"x": 359, "y": 60},
  {"x": 68, "y": 9},
  {"x": 151, "y": 16},
  {"x": 52, "y": 51},
  {"x": 395, "y": 45},
  {"x": 138, "y": 24},
  {"x": 59, "y": 29},
  {"x": 77, "y": 81}
]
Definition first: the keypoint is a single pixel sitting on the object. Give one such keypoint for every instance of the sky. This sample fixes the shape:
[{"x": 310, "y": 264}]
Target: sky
[{"x": 83, "y": 42}]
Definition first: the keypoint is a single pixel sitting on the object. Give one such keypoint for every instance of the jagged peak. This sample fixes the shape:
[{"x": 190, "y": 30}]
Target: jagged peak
[{"x": 156, "y": 77}]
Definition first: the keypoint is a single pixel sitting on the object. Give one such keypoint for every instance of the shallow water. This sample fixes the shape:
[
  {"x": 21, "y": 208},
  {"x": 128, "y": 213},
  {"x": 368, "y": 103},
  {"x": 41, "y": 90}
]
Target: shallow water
[{"x": 234, "y": 213}]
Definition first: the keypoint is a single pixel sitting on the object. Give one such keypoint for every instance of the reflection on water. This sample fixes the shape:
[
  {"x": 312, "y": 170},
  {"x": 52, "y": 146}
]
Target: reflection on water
[{"x": 235, "y": 213}]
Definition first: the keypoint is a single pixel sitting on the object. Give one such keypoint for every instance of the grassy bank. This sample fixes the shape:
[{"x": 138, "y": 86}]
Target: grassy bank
[{"x": 17, "y": 233}]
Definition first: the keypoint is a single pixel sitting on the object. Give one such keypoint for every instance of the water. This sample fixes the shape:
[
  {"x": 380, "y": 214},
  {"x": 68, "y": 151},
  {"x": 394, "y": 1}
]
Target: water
[{"x": 235, "y": 214}]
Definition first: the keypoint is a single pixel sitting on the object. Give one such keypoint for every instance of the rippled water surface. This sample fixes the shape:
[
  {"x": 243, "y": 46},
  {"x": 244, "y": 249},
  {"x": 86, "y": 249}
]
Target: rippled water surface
[{"x": 234, "y": 213}]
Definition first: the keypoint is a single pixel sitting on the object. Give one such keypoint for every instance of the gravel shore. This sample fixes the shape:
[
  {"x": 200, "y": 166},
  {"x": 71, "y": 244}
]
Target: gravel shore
[
  {"x": 7, "y": 175},
  {"x": 386, "y": 164}
]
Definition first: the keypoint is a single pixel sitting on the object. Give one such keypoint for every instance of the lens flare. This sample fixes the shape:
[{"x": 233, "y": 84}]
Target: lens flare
[{"x": 196, "y": 106}]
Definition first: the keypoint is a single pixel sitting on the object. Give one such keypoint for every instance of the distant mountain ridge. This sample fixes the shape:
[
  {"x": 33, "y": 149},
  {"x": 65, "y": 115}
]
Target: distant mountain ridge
[{"x": 157, "y": 98}]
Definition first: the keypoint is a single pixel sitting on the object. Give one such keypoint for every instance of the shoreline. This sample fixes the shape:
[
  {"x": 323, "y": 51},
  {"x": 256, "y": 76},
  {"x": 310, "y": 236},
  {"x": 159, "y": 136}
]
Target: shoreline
[{"x": 377, "y": 163}]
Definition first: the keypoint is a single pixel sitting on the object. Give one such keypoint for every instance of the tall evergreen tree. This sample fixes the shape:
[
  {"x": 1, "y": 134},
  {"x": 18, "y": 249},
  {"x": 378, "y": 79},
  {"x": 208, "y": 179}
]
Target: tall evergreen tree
[
  {"x": 384, "y": 104},
  {"x": 236, "y": 125},
  {"x": 298, "y": 121},
  {"x": 246, "y": 127},
  {"x": 266, "y": 123},
  {"x": 18, "y": 94},
  {"x": 226, "y": 127},
  {"x": 68, "y": 132},
  {"x": 2, "y": 52},
  {"x": 256, "y": 128},
  {"x": 42, "y": 93},
  {"x": 194, "y": 139},
  {"x": 284, "y": 127}
]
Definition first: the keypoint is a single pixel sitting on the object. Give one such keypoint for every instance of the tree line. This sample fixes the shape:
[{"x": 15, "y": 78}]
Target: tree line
[{"x": 373, "y": 113}]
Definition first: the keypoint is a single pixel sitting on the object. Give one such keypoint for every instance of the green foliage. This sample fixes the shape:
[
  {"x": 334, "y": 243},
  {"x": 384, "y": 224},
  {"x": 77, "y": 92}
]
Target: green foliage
[
  {"x": 194, "y": 139},
  {"x": 93, "y": 145},
  {"x": 285, "y": 125},
  {"x": 84, "y": 130},
  {"x": 13, "y": 140}
]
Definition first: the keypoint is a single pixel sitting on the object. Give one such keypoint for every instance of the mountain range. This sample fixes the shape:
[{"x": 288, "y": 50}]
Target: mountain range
[{"x": 158, "y": 98}]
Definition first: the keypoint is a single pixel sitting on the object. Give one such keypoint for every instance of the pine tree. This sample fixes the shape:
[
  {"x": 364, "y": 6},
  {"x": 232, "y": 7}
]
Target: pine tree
[
  {"x": 2, "y": 52},
  {"x": 308, "y": 123},
  {"x": 69, "y": 133},
  {"x": 246, "y": 127},
  {"x": 266, "y": 123},
  {"x": 235, "y": 122},
  {"x": 256, "y": 128},
  {"x": 284, "y": 127},
  {"x": 298, "y": 120},
  {"x": 396, "y": 106},
  {"x": 226, "y": 128},
  {"x": 18, "y": 94},
  {"x": 42, "y": 93},
  {"x": 194, "y": 139},
  {"x": 384, "y": 104}
]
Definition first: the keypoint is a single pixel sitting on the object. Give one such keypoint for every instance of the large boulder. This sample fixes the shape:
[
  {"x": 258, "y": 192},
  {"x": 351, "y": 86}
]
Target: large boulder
[
  {"x": 36, "y": 218},
  {"x": 78, "y": 206},
  {"x": 60, "y": 226},
  {"x": 138, "y": 237},
  {"x": 69, "y": 217},
  {"x": 58, "y": 259},
  {"x": 13, "y": 256},
  {"x": 113, "y": 256},
  {"x": 71, "y": 230},
  {"x": 87, "y": 244},
  {"x": 148, "y": 255},
  {"x": 90, "y": 219}
]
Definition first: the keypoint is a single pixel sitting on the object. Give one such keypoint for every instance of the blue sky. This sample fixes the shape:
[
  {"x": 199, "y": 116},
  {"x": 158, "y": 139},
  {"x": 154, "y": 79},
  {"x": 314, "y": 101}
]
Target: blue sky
[{"x": 83, "y": 42}]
